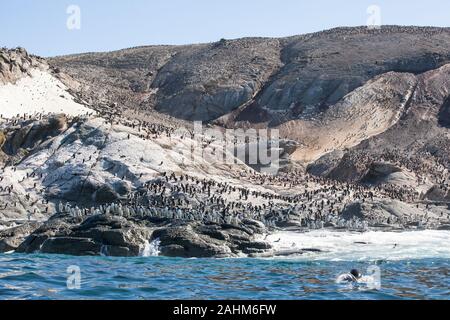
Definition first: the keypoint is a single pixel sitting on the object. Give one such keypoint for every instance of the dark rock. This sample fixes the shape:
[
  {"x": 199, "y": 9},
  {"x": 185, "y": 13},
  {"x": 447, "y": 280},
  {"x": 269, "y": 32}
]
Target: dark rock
[
  {"x": 311, "y": 250},
  {"x": 71, "y": 246},
  {"x": 436, "y": 193},
  {"x": 254, "y": 245},
  {"x": 106, "y": 194},
  {"x": 10, "y": 239},
  {"x": 34, "y": 133},
  {"x": 52, "y": 228},
  {"x": 213, "y": 231},
  {"x": 286, "y": 253},
  {"x": 444, "y": 114},
  {"x": 116, "y": 235},
  {"x": 121, "y": 236},
  {"x": 32, "y": 243},
  {"x": 193, "y": 244},
  {"x": 173, "y": 250},
  {"x": 353, "y": 210},
  {"x": 379, "y": 171},
  {"x": 117, "y": 251},
  {"x": 121, "y": 188}
]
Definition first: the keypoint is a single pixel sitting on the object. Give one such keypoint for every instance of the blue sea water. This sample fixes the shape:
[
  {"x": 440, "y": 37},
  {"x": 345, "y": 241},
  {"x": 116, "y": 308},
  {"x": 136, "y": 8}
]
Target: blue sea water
[{"x": 42, "y": 276}]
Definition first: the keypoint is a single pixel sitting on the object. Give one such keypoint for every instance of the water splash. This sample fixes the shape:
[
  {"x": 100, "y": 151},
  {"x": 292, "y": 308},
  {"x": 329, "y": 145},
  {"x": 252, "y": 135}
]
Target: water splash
[
  {"x": 104, "y": 252},
  {"x": 151, "y": 249}
]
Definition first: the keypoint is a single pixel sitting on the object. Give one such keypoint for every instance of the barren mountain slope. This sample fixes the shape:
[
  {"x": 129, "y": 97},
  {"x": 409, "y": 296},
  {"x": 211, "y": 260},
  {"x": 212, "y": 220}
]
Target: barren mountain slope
[
  {"x": 419, "y": 142},
  {"x": 348, "y": 96},
  {"x": 320, "y": 69},
  {"x": 28, "y": 85},
  {"x": 365, "y": 112},
  {"x": 197, "y": 82},
  {"x": 111, "y": 181},
  {"x": 265, "y": 80}
]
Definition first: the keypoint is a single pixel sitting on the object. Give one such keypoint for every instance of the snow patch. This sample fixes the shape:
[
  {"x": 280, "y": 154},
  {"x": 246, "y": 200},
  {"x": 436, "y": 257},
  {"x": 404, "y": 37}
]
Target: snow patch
[{"x": 40, "y": 93}]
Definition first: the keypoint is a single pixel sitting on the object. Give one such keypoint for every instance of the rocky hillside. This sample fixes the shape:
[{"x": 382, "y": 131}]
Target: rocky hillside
[
  {"x": 93, "y": 160},
  {"x": 272, "y": 80},
  {"x": 29, "y": 85},
  {"x": 17, "y": 63},
  {"x": 330, "y": 91}
]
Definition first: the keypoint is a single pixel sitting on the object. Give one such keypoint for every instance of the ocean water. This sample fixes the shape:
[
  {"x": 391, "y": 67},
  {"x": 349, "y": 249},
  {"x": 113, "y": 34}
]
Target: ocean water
[{"x": 408, "y": 265}]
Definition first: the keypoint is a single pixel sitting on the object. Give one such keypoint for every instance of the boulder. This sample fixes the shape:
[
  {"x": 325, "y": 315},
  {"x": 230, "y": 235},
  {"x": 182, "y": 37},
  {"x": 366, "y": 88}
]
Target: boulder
[
  {"x": 10, "y": 239},
  {"x": 71, "y": 246},
  {"x": 436, "y": 193},
  {"x": 2, "y": 139},
  {"x": 184, "y": 242},
  {"x": 105, "y": 194},
  {"x": 34, "y": 133},
  {"x": 106, "y": 234},
  {"x": 101, "y": 234}
]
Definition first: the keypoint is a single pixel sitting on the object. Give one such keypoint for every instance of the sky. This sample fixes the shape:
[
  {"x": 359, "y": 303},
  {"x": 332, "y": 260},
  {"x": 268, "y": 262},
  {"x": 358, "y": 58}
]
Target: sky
[{"x": 54, "y": 27}]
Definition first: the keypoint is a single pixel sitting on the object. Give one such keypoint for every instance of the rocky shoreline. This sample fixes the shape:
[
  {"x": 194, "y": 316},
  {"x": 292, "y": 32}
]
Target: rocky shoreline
[
  {"x": 119, "y": 236},
  {"x": 121, "y": 176},
  {"x": 96, "y": 186}
]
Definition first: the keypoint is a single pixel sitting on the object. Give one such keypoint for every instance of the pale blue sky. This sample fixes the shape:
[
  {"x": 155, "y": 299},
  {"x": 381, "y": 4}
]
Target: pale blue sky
[{"x": 40, "y": 25}]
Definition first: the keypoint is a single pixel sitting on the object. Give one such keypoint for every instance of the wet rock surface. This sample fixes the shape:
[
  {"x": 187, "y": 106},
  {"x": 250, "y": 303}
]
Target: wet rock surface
[
  {"x": 118, "y": 236},
  {"x": 11, "y": 238}
]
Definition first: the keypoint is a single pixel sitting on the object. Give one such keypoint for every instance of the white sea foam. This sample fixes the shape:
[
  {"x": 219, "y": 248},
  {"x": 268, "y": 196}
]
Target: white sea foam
[
  {"x": 351, "y": 246},
  {"x": 104, "y": 251},
  {"x": 151, "y": 249}
]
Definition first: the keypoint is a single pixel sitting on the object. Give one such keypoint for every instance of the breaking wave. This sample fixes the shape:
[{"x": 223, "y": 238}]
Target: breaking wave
[
  {"x": 151, "y": 249},
  {"x": 367, "y": 246}
]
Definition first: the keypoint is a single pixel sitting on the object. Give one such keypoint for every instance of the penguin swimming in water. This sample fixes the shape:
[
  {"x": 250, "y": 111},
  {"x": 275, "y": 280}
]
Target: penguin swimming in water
[{"x": 353, "y": 276}]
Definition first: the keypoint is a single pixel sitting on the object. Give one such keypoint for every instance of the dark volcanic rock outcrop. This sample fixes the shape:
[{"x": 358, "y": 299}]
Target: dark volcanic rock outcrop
[
  {"x": 211, "y": 240},
  {"x": 119, "y": 236},
  {"x": 10, "y": 239},
  {"x": 93, "y": 236}
]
